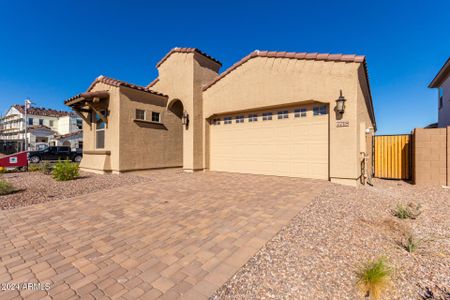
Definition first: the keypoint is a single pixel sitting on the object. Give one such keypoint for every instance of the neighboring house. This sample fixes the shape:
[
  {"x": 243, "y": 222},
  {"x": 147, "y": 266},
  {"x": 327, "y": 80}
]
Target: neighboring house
[
  {"x": 272, "y": 113},
  {"x": 442, "y": 82},
  {"x": 44, "y": 127}
]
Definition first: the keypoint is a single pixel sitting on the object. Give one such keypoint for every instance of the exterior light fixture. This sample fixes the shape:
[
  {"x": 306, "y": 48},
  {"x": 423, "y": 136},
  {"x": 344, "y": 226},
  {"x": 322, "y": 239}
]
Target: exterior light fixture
[
  {"x": 340, "y": 104},
  {"x": 185, "y": 119}
]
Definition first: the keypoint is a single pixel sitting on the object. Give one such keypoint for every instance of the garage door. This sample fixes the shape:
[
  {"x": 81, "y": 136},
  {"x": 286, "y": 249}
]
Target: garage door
[{"x": 288, "y": 142}]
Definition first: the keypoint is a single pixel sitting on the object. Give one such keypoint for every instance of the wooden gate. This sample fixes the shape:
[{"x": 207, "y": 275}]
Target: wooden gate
[{"x": 393, "y": 157}]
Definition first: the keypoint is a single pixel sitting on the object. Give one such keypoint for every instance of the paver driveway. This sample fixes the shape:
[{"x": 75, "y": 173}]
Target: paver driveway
[{"x": 178, "y": 236}]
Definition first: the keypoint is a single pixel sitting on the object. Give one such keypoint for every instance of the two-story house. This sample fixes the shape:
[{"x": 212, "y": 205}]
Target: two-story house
[
  {"x": 442, "y": 82},
  {"x": 44, "y": 127}
]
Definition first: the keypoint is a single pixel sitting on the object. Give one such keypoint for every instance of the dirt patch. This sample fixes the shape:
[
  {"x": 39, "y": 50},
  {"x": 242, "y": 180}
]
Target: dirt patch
[
  {"x": 35, "y": 187},
  {"x": 317, "y": 254}
]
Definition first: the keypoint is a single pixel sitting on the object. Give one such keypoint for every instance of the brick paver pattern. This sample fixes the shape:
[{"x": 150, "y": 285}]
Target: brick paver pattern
[{"x": 178, "y": 236}]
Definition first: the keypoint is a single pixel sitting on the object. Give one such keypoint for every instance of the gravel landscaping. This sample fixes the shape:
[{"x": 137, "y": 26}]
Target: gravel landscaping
[
  {"x": 35, "y": 187},
  {"x": 317, "y": 254}
]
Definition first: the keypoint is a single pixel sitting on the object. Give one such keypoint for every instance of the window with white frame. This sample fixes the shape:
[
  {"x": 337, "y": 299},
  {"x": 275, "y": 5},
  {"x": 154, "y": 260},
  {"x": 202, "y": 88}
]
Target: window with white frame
[
  {"x": 41, "y": 122},
  {"x": 300, "y": 113},
  {"x": 30, "y": 121},
  {"x": 320, "y": 110},
  {"x": 283, "y": 114},
  {"x": 267, "y": 116},
  {"x": 216, "y": 122},
  {"x": 140, "y": 114},
  {"x": 156, "y": 117},
  {"x": 227, "y": 120},
  {"x": 100, "y": 126},
  {"x": 239, "y": 119},
  {"x": 253, "y": 118}
]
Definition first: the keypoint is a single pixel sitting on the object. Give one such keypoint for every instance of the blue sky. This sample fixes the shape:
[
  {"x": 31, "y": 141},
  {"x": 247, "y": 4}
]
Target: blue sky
[{"x": 51, "y": 50}]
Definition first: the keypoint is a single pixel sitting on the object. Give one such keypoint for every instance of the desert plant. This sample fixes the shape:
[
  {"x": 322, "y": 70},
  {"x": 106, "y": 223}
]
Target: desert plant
[
  {"x": 373, "y": 278},
  {"x": 34, "y": 167},
  {"x": 45, "y": 167},
  {"x": 411, "y": 243},
  {"x": 6, "y": 187},
  {"x": 65, "y": 170},
  {"x": 409, "y": 211}
]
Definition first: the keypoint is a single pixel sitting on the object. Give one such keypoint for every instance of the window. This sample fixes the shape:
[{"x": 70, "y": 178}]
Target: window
[
  {"x": 41, "y": 121},
  {"x": 79, "y": 124},
  {"x": 156, "y": 117},
  {"x": 441, "y": 97},
  {"x": 30, "y": 121},
  {"x": 283, "y": 114},
  {"x": 140, "y": 114},
  {"x": 253, "y": 118},
  {"x": 240, "y": 119},
  {"x": 50, "y": 123},
  {"x": 267, "y": 116},
  {"x": 320, "y": 110},
  {"x": 100, "y": 131},
  {"x": 227, "y": 120},
  {"x": 300, "y": 113},
  {"x": 216, "y": 122}
]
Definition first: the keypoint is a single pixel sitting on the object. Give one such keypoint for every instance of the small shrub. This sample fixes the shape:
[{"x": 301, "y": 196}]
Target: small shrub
[
  {"x": 6, "y": 188},
  {"x": 411, "y": 243},
  {"x": 45, "y": 167},
  {"x": 34, "y": 167},
  {"x": 409, "y": 211},
  {"x": 373, "y": 278},
  {"x": 65, "y": 170}
]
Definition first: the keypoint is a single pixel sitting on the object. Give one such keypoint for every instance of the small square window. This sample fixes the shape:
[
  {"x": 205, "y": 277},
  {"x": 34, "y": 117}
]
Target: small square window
[
  {"x": 140, "y": 114},
  {"x": 240, "y": 119},
  {"x": 320, "y": 110},
  {"x": 41, "y": 121},
  {"x": 253, "y": 118},
  {"x": 267, "y": 116},
  {"x": 30, "y": 121},
  {"x": 156, "y": 117},
  {"x": 227, "y": 120},
  {"x": 216, "y": 122},
  {"x": 300, "y": 113},
  {"x": 283, "y": 114},
  {"x": 51, "y": 123}
]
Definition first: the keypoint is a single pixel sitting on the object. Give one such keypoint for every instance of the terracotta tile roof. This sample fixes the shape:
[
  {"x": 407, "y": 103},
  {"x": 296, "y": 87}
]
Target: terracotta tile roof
[
  {"x": 63, "y": 136},
  {"x": 291, "y": 55},
  {"x": 186, "y": 50},
  {"x": 118, "y": 83},
  {"x": 443, "y": 73},
  {"x": 152, "y": 83},
  {"x": 40, "y": 111}
]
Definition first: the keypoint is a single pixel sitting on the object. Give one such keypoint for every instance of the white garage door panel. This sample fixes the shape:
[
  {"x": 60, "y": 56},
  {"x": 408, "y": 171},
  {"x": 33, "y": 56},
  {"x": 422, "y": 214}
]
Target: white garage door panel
[{"x": 289, "y": 147}]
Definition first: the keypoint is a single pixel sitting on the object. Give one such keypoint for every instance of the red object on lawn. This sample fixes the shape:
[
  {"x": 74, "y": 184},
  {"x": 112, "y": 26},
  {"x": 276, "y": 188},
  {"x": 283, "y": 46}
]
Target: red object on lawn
[{"x": 16, "y": 160}]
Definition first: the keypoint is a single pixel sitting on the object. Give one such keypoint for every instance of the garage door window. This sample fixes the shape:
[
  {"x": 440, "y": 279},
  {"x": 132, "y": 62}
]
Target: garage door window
[
  {"x": 267, "y": 116},
  {"x": 283, "y": 114},
  {"x": 240, "y": 119},
  {"x": 253, "y": 118},
  {"x": 216, "y": 122},
  {"x": 320, "y": 110},
  {"x": 300, "y": 113},
  {"x": 227, "y": 120}
]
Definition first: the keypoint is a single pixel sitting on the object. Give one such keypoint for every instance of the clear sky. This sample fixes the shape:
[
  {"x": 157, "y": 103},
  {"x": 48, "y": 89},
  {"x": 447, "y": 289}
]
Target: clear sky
[{"x": 51, "y": 50}]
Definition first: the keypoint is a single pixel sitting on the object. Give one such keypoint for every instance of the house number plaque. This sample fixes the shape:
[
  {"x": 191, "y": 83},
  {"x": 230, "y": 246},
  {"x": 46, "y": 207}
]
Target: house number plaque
[{"x": 342, "y": 124}]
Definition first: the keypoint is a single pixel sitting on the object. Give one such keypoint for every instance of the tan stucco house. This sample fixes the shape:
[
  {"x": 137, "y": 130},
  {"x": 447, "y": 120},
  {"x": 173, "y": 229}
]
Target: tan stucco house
[{"x": 270, "y": 113}]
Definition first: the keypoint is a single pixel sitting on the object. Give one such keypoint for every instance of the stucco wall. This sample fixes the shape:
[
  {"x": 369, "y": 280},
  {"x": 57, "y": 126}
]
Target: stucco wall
[
  {"x": 95, "y": 158},
  {"x": 145, "y": 145},
  {"x": 444, "y": 112},
  {"x": 431, "y": 156},
  {"x": 181, "y": 77},
  {"x": 264, "y": 82}
]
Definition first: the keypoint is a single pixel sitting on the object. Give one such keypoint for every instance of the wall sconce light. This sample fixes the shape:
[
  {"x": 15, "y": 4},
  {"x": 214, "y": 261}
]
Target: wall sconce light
[
  {"x": 185, "y": 119},
  {"x": 340, "y": 104}
]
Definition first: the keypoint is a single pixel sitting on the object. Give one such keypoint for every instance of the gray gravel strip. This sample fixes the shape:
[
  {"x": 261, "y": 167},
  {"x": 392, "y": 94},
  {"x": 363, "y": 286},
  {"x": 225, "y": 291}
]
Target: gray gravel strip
[
  {"x": 35, "y": 187},
  {"x": 317, "y": 254}
]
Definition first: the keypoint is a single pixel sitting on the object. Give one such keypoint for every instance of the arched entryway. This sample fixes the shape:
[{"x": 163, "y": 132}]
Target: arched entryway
[{"x": 176, "y": 107}]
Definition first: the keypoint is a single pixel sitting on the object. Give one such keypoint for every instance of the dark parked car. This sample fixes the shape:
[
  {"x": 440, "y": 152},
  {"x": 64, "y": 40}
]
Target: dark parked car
[{"x": 55, "y": 153}]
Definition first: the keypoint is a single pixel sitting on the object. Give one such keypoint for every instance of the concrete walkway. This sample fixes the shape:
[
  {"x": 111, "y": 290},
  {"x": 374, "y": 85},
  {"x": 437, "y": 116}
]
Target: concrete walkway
[{"x": 178, "y": 236}]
